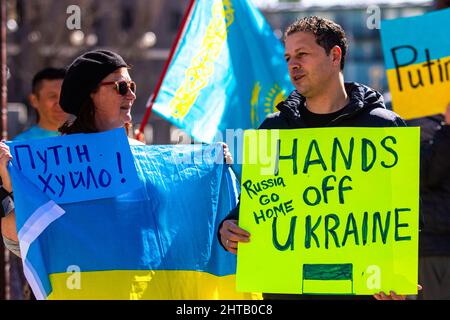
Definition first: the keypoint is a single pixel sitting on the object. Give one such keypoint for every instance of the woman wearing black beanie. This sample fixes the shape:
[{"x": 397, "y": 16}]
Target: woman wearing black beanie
[{"x": 98, "y": 90}]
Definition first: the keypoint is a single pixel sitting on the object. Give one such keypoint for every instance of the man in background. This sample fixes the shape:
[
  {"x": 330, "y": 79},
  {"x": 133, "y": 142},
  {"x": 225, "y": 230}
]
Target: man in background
[
  {"x": 44, "y": 97},
  {"x": 434, "y": 238}
]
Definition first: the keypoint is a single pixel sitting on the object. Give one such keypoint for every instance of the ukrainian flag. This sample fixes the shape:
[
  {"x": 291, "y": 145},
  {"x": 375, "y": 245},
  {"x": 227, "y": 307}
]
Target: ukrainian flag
[
  {"x": 156, "y": 242},
  {"x": 417, "y": 57},
  {"x": 228, "y": 71}
]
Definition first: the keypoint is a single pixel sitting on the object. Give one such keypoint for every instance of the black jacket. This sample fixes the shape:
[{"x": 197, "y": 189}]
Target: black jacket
[
  {"x": 434, "y": 238},
  {"x": 365, "y": 109}
]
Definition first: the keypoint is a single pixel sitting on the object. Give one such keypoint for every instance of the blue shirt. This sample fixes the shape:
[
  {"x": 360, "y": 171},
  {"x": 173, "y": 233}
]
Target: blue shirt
[{"x": 36, "y": 132}]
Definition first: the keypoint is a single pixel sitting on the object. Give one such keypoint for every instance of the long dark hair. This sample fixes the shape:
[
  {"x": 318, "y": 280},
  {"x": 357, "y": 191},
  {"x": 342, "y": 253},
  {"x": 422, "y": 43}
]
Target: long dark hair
[{"x": 85, "y": 121}]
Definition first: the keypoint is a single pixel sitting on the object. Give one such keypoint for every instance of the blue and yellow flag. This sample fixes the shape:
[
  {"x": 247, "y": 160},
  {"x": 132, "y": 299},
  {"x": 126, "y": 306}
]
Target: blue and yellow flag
[
  {"x": 157, "y": 241},
  {"x": 228, "y": 71},
  {"x": 417, "y": 57}
]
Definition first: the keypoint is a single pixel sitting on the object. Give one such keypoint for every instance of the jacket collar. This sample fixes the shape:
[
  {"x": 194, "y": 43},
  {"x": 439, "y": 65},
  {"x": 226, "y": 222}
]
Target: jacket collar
[{"x": 360, "y": 97}]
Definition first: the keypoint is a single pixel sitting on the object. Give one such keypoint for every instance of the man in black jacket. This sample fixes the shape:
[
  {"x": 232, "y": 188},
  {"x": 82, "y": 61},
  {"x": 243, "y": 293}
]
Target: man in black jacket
[
  {"x": 434, "y": 240},
  {"x": 315, "y": 50}
]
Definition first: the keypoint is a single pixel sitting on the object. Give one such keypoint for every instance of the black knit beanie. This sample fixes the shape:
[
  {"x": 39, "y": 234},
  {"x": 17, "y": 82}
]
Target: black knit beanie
[{"x": 84, "y": 75}]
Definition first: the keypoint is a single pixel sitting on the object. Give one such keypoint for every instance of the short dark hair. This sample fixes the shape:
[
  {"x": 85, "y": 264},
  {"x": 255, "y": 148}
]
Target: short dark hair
[
  {"x": 49, "y": 73},
  {"x": 328, "y": 33}
]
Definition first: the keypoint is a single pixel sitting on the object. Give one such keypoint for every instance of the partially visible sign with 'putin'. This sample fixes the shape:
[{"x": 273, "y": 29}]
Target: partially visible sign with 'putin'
[{"x": 417, "y": 57}]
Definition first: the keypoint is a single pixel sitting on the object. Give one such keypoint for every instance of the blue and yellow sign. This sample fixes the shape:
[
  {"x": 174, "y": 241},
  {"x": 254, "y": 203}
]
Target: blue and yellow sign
[{"x": 417, "y": 56}]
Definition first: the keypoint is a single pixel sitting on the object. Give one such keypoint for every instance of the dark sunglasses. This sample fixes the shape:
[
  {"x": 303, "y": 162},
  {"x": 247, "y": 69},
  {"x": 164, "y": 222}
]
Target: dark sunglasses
[{"x": 122, "y": 86}]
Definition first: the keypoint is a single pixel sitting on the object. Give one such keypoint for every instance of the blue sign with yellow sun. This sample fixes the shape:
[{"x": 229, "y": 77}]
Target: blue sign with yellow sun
[{"x": 228, "y": 71}]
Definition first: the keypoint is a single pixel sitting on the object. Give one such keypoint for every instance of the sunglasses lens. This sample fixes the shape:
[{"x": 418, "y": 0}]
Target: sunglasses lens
[{"x": 123, "y": 88}]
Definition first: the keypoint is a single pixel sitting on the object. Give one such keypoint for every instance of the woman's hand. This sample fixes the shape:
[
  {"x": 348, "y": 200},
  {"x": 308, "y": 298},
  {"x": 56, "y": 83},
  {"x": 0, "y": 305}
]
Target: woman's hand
[
  {"x": 5, "y": 157},
  {"x": 226, "y": 154}
]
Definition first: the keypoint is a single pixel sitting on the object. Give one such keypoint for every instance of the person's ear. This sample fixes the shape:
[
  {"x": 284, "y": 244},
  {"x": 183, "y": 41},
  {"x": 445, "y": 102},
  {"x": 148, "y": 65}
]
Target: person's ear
[
  {"x": 336, "y": 55},
  {"x": 33, "y": 100}
]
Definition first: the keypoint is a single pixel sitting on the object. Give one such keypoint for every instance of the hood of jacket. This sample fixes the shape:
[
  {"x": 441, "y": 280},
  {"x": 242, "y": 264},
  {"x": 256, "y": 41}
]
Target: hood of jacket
[{"x": 361, "y": 99}]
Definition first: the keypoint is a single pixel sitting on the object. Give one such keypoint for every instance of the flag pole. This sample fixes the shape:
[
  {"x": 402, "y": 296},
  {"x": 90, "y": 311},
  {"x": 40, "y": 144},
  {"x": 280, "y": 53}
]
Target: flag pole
[
  {"x": 4, "y": 253},
  {"x": 140, "y": 131}
]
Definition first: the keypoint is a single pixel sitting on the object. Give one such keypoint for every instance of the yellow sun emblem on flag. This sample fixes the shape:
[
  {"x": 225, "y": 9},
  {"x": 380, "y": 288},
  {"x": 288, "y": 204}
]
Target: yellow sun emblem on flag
[{"x": 271, "y": 99}]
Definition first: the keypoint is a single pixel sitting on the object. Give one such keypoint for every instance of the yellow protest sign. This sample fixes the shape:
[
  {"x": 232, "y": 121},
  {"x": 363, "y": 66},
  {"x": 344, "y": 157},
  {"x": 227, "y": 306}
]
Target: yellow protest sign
[{"x": 330, "y": 210}]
